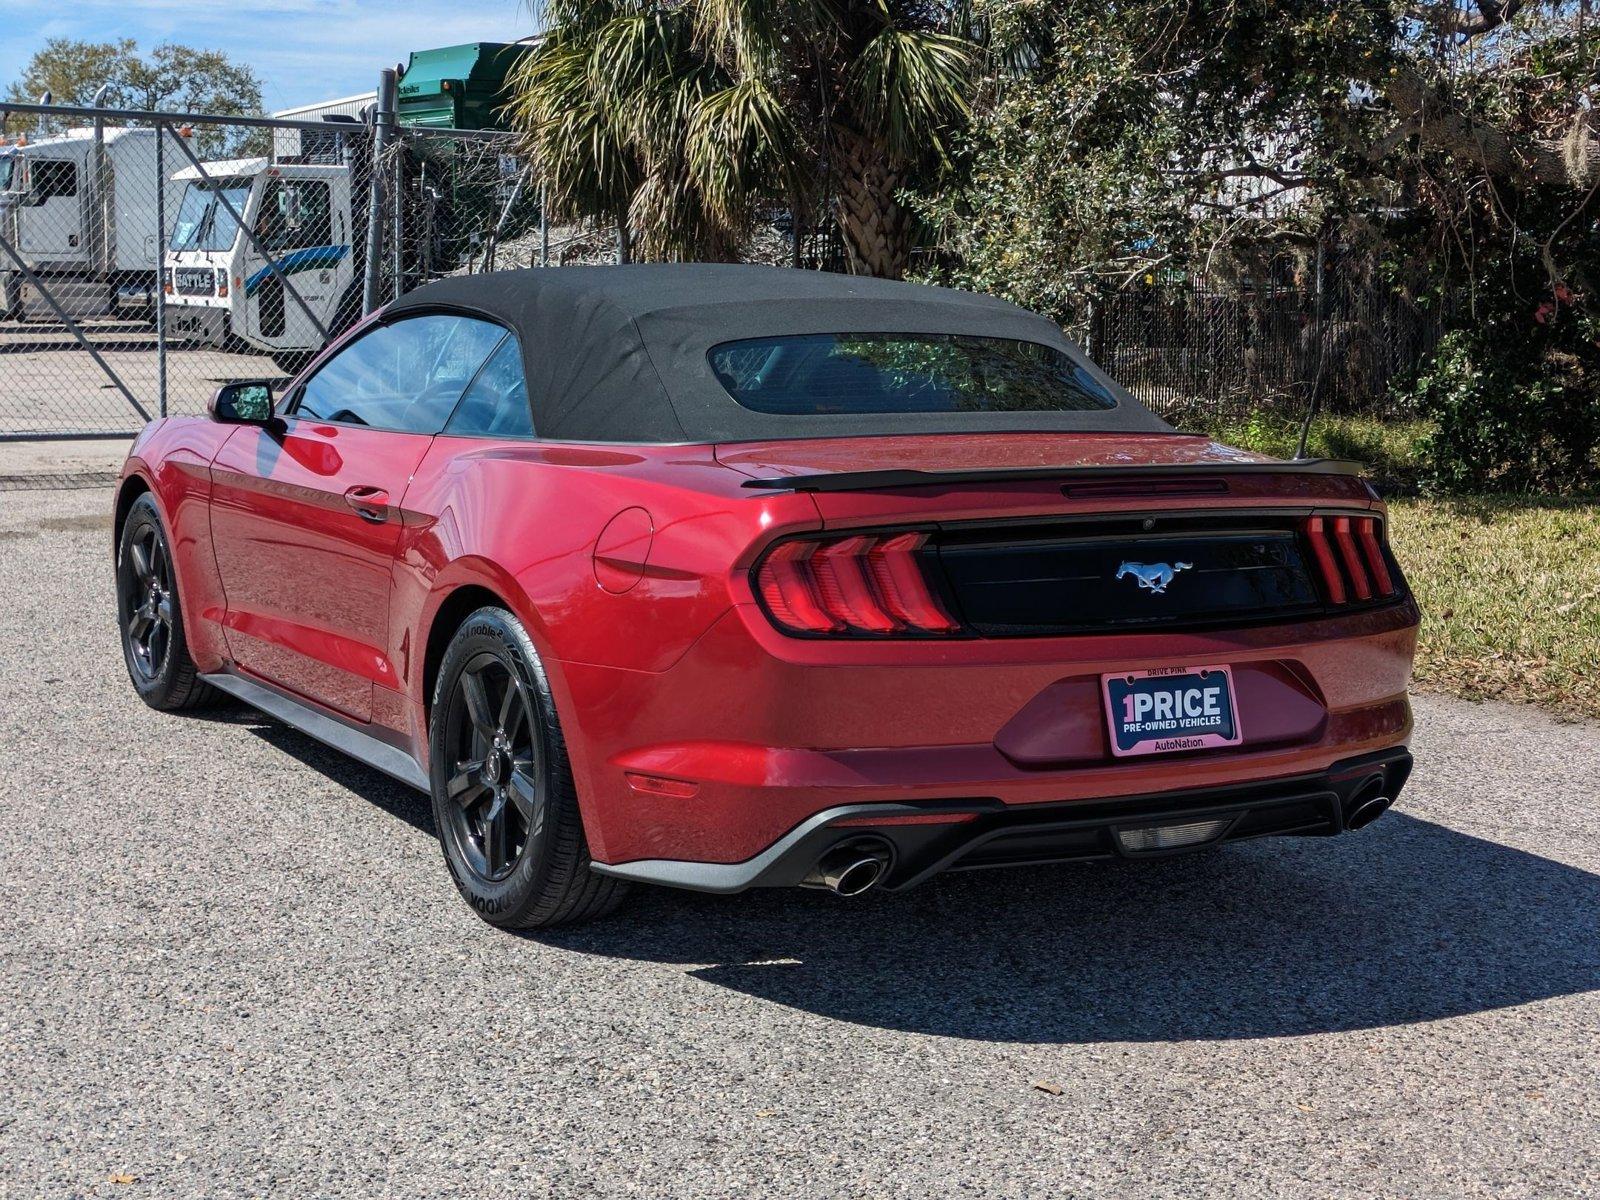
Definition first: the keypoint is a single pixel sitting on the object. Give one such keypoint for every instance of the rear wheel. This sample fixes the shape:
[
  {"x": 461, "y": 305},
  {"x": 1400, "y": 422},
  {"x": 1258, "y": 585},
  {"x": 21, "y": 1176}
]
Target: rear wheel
[
  {"x": 150, "y": 617},
  {"x": 503, "y": 795}
]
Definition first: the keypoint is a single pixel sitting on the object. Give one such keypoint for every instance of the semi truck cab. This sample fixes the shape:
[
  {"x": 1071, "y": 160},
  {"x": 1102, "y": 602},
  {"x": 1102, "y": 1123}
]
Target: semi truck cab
[{"x": 220, "y": 287}]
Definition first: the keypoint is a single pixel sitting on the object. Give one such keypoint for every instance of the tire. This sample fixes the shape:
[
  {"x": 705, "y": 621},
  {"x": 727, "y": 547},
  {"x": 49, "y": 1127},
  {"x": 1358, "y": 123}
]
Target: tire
[
  {"x": 150, "y": 618},
  {"x": 504, "y": 801}
]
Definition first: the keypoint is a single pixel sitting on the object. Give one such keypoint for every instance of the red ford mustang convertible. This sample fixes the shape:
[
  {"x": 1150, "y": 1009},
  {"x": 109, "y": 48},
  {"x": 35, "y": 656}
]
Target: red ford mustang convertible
[{"x": 727, "y": 577}]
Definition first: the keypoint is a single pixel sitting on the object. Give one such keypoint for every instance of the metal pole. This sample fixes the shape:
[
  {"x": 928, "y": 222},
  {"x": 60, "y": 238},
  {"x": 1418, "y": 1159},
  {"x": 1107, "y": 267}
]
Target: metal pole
[
  {"x": 382, "y": 124},
  {"x": 94, "y": 207},
  {"x": 72, "y": 326},
  {"x": 544, "y": 225},
  {"x": 277, "y": 272},
  {"x": 399, "y": 236},
  {"x": 161, "y": 269}
]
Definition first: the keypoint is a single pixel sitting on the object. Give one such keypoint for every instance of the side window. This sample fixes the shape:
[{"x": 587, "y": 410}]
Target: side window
[
  {"x": 496, "y": 405},
  {"x": 51, "y": 177},
  {"x": 295, "y": 213},
  {"x": 405, "y": 376}
]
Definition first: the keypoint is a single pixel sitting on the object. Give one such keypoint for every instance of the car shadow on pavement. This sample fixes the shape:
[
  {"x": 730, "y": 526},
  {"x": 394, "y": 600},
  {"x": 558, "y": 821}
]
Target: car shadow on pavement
[
  {"x": 1409, "y": 921},
  {"x": 372, "y": 785}
]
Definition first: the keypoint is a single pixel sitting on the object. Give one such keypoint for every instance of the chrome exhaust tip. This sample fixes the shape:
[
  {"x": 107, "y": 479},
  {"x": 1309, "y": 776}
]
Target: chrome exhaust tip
[
  {"x": 1369, "y": 804},
  {"x": 851, "y": 868}
]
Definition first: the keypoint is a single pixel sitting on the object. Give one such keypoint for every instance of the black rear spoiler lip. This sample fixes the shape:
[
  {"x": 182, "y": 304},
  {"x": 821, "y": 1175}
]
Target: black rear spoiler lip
[{"x": 864, "y": 481}]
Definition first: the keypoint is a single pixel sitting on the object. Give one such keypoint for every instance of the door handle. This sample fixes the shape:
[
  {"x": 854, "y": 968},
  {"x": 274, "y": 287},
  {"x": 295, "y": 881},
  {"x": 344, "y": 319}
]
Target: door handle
[{"x": 369, "y": 503}]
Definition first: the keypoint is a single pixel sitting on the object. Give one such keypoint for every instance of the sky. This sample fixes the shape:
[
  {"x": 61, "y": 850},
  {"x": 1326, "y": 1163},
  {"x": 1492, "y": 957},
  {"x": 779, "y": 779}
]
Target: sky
[{"x": 303, "y": 50}]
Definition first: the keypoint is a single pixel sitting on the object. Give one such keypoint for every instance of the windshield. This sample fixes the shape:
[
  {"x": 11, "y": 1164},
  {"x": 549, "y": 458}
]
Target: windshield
[
  {"x": 825, "y": 373},
  {"x": 204, "y": 222},
  {"x": 8, "y": 163}
]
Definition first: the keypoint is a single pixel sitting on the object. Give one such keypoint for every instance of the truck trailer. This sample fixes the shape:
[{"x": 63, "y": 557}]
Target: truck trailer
[{"x": 80, "y": 210}]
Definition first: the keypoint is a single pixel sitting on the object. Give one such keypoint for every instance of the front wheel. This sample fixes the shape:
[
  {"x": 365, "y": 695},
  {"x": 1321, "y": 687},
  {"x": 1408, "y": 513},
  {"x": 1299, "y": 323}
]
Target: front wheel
[
  {"x": 504, "y": 801},
  {"x": 151, "y": 619}
]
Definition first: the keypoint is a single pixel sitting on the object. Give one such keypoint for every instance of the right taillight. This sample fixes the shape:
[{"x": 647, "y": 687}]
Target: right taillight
[
  {"x": 1351, "y": 560},
  {"x": 866, "y": 585}
]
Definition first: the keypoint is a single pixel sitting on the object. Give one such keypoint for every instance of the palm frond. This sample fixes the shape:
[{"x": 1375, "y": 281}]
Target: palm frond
[
  {"x": 911, "y": 86},
  {"x": 743, "y": 145}
]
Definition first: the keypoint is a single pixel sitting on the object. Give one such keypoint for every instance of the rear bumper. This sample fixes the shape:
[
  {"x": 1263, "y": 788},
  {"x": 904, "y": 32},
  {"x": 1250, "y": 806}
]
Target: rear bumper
[
  {"x": 927, "y": 839},
  {"x": 755, "y": 735}
]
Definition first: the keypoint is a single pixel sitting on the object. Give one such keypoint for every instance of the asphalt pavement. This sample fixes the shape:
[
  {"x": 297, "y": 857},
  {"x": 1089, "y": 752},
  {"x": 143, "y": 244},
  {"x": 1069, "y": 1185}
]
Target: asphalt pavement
[{"x": 232, "y": 964}]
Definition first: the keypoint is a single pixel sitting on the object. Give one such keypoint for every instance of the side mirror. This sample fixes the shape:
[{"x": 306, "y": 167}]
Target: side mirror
[{"x": 242, "y": 404}]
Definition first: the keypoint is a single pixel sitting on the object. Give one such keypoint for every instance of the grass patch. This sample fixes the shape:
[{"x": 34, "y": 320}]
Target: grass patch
[
  {"x": 1510, "y": 596},
  {"x": 1391, "y": 449}
]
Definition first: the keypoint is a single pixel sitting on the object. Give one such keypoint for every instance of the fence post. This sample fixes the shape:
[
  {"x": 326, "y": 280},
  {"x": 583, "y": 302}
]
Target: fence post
[
  {"x": 398, "y": 237},
  {"x": 382, "y": 127},
  {"x": 161, "y": 268},
  {"x": 94, "y": 201},
  {"x": 544, "y": 224}
]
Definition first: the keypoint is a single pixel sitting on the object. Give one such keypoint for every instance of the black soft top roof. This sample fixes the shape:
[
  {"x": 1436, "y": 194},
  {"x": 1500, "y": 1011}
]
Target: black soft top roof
[{"x": 619, "y": 354}]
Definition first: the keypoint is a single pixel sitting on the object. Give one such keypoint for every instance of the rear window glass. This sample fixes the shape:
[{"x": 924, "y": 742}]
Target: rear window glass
[{"x": 825, "y": 373}]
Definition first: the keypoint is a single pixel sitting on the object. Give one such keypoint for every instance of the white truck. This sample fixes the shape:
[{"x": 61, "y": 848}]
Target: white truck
[
  {"x": 220, "y": 288},
  {"x": 81, "y": 213}
]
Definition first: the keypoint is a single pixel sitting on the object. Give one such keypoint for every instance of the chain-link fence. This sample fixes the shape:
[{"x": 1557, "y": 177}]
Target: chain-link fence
[
  {"x": 137, "y": 273},
  {"x": 1335, "y": 331},
  {"x": 146, "y": 258}
]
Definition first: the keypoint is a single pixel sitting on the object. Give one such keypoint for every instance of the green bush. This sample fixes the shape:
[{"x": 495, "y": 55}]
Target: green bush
[
  {"x": 1390, "y": 447},
  {"x": 1509, "y": 415}
]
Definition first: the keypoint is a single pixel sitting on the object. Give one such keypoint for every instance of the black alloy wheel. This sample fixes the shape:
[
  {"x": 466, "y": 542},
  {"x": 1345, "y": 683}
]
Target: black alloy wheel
[
  {"x": 145, "y": 581},
  {"x": 496, "y": 796},
  {"x": 504, "y": 800},
  {"x": 150, "y": 617}
]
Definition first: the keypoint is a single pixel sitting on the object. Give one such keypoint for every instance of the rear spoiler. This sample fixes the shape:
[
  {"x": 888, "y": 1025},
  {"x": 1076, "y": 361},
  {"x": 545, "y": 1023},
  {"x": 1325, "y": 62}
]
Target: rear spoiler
[{"x": 864, "y": 481}]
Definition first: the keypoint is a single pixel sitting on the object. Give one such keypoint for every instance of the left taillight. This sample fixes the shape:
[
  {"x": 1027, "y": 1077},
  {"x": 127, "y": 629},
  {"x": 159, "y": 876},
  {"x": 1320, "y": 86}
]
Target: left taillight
[
  {"x": 1352, "y": 560},
  {"x": 866, "y": 585}
]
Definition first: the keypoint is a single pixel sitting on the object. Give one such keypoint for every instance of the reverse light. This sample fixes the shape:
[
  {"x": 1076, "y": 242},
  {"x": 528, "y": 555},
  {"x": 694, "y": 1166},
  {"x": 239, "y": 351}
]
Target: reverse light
[
  {"x": 864, "y": 585},
  {"x": 1170, "y": 837},
  {"x": 1350, "y": 557}
]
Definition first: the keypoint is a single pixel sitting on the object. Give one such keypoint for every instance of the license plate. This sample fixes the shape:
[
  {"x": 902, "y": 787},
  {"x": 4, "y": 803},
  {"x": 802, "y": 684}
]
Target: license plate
[{"x": 1170, "y": 709}]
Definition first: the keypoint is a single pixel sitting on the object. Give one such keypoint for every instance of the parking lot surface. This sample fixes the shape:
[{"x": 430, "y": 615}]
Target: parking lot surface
[
  {"x": 232, "y": 964},
  {"x": 51, "y": 386}
]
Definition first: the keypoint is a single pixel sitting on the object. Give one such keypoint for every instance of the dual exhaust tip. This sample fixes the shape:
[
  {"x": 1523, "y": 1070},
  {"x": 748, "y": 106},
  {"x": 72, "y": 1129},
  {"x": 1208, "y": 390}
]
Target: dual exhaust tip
[
  {"x": 1370, "y": 802},
  {"x": 857, "y": 866},
  {"x": 851, "y": 868}
]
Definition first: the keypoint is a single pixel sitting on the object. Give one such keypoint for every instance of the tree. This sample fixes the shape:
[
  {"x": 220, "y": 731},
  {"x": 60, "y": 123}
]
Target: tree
[
  {"x": 170, "y": 77},
  {"x": 1444, "y": 150},
  {"x": 679, "y": 119},
  {"x": 1139, "y": 136}
]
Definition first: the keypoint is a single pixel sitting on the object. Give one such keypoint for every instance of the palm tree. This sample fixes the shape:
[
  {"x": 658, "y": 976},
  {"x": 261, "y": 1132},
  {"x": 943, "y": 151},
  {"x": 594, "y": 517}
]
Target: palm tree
[{"x": 677, "y": 119}]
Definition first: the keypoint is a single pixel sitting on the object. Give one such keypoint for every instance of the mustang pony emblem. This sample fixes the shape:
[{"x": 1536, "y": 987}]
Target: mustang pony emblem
[{"x": 1154, "y": 576}]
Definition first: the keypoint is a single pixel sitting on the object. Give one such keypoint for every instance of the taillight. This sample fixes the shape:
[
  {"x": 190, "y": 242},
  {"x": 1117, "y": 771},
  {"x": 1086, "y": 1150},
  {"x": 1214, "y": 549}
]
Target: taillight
[
  {"x": 864, "y": 585},
  {"x": 1350, "y": 557},
  {"x": 222, "y": 284}
]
